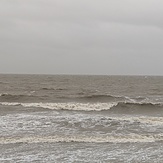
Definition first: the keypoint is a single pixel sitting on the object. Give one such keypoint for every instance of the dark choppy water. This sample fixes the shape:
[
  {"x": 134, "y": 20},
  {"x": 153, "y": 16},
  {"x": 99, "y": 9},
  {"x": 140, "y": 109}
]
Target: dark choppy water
[{"x": 47, "y": 118}]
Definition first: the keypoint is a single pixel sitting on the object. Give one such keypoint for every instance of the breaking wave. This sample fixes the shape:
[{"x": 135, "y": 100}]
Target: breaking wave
[
  {"x": 114, "y": 107},
  {"x": 66, "y": 106},
  {"x": 131, "y": 138}
]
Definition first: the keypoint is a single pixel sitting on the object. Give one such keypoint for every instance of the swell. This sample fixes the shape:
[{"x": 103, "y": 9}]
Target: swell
[
  {"x": 83, "y": 98},
  {"x": 140, "y": 104},
  {"x": 130, "y": 138},
  {"x": 3, "y": 82},
  {"x": 53, "y": 89},
  {"x": 100, "y": 98},
  {"x": 19, "y": 97},
  {"x": 137, "y": 108},
  {"x": 6, "y": 97}
]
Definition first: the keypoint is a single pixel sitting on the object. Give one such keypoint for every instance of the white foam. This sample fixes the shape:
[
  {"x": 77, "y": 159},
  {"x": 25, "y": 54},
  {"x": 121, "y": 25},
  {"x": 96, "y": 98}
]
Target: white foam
[
  {"x": 67, "y": 106},
  {"x": 10, "y": 103},
  {"x": 131, "y": 138},
  {"x": 91, "y": 107},
  {"x": 150, "y": 120}
]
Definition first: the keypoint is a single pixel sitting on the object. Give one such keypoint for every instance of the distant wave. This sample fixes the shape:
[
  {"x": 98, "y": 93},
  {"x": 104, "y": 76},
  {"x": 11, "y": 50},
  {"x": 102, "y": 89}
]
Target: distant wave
[
  {"x": 82, "y": 98},
  {"x": 100, "y": 98},
  {"x": 110, "y": 98},
  {"x": 20, "y": 97},
  {"x": 137, "y": 107},
  {"x": 51, "y": 89},
  {"x": 7, "y": 95},
  {"x": 2, "y": 82},
  {"x": 130, "y": 138},
  {"x": 4, "y": 94},
  {"x": 139, "y": 104}
]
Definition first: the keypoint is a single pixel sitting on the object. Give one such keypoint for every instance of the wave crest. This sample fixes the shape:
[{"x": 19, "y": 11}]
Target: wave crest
[
  {"x": 12, "y": 97},
  {"x": 101, "y": 98},
  {"x": 66, "y": 106},
  {"x": 116, "y": 107}
]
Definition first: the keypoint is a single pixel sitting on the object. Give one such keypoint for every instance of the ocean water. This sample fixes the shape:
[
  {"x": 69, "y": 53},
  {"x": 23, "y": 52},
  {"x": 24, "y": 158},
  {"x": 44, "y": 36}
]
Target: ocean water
[{"x": 61, "y": 118}]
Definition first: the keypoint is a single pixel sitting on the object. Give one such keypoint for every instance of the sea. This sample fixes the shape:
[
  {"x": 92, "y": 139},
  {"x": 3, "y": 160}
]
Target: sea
[{"x": 81, "y": 119}]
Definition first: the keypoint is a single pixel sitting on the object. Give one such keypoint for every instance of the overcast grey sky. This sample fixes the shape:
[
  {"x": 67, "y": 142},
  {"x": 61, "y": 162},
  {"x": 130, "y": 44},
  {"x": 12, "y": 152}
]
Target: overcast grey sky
[{"x": 111, "y": 37}]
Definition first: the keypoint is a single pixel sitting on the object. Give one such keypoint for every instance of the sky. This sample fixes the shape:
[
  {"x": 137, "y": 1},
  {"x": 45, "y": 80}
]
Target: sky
[{"x": 94, "y": 37}]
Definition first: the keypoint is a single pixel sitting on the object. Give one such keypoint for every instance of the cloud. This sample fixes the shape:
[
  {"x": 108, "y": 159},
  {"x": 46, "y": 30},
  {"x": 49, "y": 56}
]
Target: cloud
[{"x": 111, "y": 33}]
